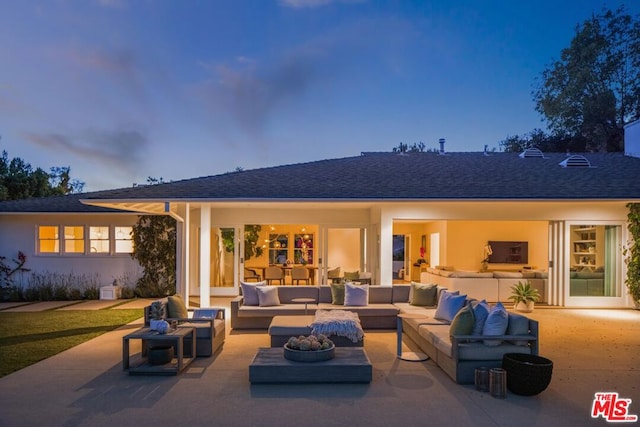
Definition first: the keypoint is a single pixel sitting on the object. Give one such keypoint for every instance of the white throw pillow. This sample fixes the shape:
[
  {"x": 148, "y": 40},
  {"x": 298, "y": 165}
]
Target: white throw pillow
[
  {"x": 249, "y": 292},
  {"x": 267, "y": 296},
  {"x": 356, "y": 295}
]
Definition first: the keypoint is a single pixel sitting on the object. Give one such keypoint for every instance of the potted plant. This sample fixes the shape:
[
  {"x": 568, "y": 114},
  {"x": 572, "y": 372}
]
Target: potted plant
[
  {"x": 156, "y": 317},
  {"x": 524, "y": 296},
  {"x": 632, "y": 253}
]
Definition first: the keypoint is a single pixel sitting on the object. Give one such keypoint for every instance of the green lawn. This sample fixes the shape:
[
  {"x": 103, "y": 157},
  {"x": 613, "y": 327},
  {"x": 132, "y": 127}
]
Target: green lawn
[{"x": 27, "y": 338}]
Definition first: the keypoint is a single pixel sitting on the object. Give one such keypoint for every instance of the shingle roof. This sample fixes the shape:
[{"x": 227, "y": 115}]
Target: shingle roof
[{"x": 392, "y": 176}]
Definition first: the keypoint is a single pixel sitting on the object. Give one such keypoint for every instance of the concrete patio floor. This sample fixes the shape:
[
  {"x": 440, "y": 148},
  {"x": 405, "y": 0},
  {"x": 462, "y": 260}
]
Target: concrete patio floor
[{"x": 592, "y": 350}]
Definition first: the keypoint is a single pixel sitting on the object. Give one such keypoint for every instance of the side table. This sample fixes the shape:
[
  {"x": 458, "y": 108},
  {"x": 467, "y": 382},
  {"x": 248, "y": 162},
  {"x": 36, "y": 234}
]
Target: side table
[
  {"x": 305, "y": 301},
  {"x": 411, "y": 356},
  {"x": 172, "y": 337}
]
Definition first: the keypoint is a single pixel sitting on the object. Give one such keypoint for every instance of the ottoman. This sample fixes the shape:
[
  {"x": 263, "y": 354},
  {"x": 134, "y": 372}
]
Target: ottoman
[{"x": 284, "y": 327}]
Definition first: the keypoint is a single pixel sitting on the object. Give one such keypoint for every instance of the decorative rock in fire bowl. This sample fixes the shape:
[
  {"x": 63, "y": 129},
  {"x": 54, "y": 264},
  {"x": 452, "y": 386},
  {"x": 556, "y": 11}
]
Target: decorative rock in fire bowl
[{"x": 309, "y": 349}]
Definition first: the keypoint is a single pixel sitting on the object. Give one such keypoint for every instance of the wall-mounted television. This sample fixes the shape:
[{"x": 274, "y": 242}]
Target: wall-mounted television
[{"x": 509, "y": 252}]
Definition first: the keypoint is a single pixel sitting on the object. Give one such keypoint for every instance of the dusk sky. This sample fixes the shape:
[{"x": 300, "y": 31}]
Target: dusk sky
[{"x": 120, "y": 90}]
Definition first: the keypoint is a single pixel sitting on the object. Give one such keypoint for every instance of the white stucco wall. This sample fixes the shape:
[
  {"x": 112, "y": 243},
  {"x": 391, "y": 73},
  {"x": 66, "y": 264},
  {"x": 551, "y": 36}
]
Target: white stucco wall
[{"x": 19, "y": 233}]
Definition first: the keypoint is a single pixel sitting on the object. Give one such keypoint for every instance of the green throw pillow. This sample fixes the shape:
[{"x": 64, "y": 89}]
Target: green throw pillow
[
  {"x": 423, "y": 294},
  {"x": 176, "y": 308},
  {"x": 351, "y": 275},
  {"x": 463, "y": 323},
  {"x": 337, "y": 293}
]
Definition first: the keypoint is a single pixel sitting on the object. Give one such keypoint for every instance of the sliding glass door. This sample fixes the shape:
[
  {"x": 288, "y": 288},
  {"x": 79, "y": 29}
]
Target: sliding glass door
[{"x": 595, "y": 265}]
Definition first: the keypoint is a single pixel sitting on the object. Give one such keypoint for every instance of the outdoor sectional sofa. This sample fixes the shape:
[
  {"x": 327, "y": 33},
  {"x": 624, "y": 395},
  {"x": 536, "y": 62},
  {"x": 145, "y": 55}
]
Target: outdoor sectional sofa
[
  {"x": 379, "y": 313},
  {"x": 491, "y": 286},
  {"x": 458, "y": 356}
]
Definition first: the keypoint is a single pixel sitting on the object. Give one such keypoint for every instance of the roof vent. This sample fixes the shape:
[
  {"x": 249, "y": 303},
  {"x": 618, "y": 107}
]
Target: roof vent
[
  {"x": 532, "y": 153},
  {"x": 575, "y": 161},
  {"x": 441, "y": 142}
]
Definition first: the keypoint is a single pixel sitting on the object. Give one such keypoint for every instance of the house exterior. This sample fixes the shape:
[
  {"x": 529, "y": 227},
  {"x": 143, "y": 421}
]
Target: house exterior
[{"x": 569, "y": 210}]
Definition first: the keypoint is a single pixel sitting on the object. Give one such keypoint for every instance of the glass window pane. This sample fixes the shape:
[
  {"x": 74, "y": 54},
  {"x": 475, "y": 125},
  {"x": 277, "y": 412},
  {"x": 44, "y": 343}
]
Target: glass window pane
[
  {"x": 99, "y": 240},
  {"x": 124, "y": 241},
  {"x": 48, "y": 239},
  {"x": 74, "y": 239}
]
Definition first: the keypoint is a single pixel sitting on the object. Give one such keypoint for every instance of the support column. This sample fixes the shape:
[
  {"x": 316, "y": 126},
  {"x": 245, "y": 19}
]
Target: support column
[
  {"x": 205, "y": 255},
  {"x": 386, "y": 250},
  {"x": 186, "y": 255}
]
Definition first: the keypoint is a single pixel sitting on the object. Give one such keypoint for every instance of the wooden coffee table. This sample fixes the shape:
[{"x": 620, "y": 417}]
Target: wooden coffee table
[
  {"x": 172, "y": 337},
  {"x": 350, "y": 365}
]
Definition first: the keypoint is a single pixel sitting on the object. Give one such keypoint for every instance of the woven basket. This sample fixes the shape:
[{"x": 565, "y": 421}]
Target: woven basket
[{"x": 527, "y": 375}]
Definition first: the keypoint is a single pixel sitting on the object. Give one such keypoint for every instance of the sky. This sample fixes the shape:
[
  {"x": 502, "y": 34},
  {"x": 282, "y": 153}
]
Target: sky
[{"x": 122, "y": 90}]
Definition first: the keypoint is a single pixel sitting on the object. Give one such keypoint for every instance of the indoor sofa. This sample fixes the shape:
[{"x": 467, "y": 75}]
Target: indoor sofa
[{"x": 491, "y": 286}]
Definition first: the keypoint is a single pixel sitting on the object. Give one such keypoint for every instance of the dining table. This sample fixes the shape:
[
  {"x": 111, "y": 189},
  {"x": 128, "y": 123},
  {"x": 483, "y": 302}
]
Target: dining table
[{"x": 287, "y": 270}]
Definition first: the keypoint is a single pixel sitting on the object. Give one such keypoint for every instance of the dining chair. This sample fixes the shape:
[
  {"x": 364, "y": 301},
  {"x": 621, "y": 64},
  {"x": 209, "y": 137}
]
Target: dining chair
[
  {"x": 251, "y": 274},
  {"x": 334, "y": 275},
  {"x": 298, "y": 274},
  {"x": 274, "y": 273}
]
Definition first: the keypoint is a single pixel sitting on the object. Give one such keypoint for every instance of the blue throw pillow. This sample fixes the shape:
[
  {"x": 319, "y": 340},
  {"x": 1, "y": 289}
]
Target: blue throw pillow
[
  {"x": 480, "y": 311},
  {"x": 449, "y": 305},
  {"x": 496, "y": 323}
]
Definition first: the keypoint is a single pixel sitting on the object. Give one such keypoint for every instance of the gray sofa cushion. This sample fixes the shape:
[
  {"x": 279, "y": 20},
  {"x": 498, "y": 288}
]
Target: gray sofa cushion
[
  {"x": 283, "y": 309},
  {"x": 287, "y": 293},
  {"x": 479, "y": 351}
]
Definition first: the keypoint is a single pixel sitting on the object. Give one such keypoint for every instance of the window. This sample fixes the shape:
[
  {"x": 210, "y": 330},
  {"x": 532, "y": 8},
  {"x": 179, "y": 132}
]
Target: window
[
  {"x": 99, "y": 240},
  {"x": 74, "y": 239},
  {"x": 303, "y": 251},
  {"x": 124, "y": 241},
  {"x": 278, "y": 248},
  {"x": 48, "y": 239},
  {"x": 85, "y": 240}
]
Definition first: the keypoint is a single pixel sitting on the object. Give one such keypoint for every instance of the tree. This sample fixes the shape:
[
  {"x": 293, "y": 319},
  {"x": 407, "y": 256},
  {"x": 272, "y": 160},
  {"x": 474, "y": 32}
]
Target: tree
[
  {"x": 593, "y": 90},
  {"x": 417, "y": 147},
  {"x": 537, "y": 138},
  {"x": 154, "y": 240},
  {"x": 18, "y": 180}
]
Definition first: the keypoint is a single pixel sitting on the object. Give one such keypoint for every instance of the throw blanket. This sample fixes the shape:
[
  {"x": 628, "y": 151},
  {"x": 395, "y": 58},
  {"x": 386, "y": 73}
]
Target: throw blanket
[{"x": 337, "y": 322}]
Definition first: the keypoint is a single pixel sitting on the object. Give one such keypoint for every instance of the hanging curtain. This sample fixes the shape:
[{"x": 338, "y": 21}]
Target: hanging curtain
[{"x": 610, "y": 257}]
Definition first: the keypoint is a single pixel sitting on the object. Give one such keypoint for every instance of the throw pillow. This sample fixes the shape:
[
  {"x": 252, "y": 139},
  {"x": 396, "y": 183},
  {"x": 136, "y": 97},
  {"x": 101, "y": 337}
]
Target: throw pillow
[
  {"x": 423, "y": 294},
  {"x": 480, "y": 311},
  {"x": 449, "y": 305},
  {"x": 337, "y": 293},
  {"x": 463, "y": 322},
  {"x": 176, "y": 308},
  {"x": 518, "y": 325},
  {"x": 267, "y": 296},
  {"x": 356, "y": 295},
  {"x": 249, "y": 292},
  {"x": 496, "y": 323},
  {"x": 351, "y": 275}
]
